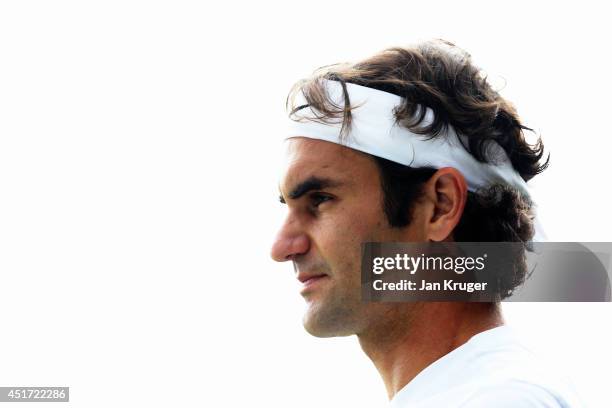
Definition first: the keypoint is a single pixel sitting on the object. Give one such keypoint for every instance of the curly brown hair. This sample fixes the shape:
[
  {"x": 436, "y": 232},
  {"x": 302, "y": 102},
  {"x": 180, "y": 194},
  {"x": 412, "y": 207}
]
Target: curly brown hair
[{"x": 441, "y": 76}]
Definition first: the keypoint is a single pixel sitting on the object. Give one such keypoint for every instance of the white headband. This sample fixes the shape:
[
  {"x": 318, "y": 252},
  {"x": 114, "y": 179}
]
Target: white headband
[{"x": 374, "y": 131}]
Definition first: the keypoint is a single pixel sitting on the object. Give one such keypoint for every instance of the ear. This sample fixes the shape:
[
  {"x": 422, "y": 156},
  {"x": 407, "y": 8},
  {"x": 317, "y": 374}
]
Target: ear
[{"x": 446, "y": 194}]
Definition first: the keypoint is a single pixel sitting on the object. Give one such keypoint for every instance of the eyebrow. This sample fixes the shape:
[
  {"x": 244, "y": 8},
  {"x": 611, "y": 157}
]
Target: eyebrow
[{"x": 310, "y": 184}]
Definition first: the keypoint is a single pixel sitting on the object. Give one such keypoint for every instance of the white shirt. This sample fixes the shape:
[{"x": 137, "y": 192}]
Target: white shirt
[{"x": 491, "y": 370}]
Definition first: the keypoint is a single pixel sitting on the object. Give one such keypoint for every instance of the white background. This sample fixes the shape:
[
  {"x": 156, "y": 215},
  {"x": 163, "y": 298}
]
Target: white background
[{"x": 139, "y": 146}]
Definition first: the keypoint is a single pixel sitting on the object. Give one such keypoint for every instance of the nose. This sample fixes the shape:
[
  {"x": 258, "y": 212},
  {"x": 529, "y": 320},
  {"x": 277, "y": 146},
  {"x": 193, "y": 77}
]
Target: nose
[{"x": 289, "y": 242}]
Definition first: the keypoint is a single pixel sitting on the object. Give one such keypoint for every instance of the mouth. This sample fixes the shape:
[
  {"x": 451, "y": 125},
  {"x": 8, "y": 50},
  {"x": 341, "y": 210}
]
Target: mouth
[{"x": 311, "y": 281}]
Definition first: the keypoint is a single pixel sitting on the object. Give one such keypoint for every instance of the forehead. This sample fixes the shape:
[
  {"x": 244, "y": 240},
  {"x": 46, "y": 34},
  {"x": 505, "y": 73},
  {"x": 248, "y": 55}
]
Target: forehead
[{"x": 306, "y": 157}]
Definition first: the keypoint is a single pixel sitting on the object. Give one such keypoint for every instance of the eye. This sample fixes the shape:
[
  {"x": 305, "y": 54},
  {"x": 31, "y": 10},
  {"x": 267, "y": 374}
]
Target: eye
[{"x": 317, "y": 199}]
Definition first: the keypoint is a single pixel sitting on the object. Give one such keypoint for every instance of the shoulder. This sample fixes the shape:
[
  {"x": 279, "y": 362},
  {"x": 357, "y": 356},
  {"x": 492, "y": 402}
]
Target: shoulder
[
  {"x": 515, "y": 394},
  {"x": 493, "y": 369}
]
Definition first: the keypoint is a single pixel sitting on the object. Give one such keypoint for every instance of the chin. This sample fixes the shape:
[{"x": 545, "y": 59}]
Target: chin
[{"x": 334, "y": 323}]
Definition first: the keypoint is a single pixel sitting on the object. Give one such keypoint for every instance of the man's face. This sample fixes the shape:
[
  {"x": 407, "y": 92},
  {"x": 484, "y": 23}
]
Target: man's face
[{"x": 334, "y": 199}]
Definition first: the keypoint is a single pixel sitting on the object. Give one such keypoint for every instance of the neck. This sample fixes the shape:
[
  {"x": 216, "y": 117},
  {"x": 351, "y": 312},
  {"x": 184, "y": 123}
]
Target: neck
[{"x": 420, "y": 334}]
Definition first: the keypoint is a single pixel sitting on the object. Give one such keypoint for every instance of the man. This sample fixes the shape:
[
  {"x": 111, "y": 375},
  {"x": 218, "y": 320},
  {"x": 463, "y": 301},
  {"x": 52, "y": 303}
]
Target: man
[{"x": 411, "y": 145}]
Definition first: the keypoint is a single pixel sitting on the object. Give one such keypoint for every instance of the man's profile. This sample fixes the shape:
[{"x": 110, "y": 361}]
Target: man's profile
[{"x": 411, "y": 145}]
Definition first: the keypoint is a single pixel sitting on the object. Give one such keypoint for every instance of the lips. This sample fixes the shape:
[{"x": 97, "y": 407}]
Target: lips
[
  {"x": 305, "y": 277},
  {"x": 310, "y": 280}
]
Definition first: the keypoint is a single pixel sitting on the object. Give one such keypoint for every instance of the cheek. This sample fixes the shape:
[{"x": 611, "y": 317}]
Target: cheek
[
  {"x": 340, "y": 245},
  {"x": 339, "y": 233}
]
